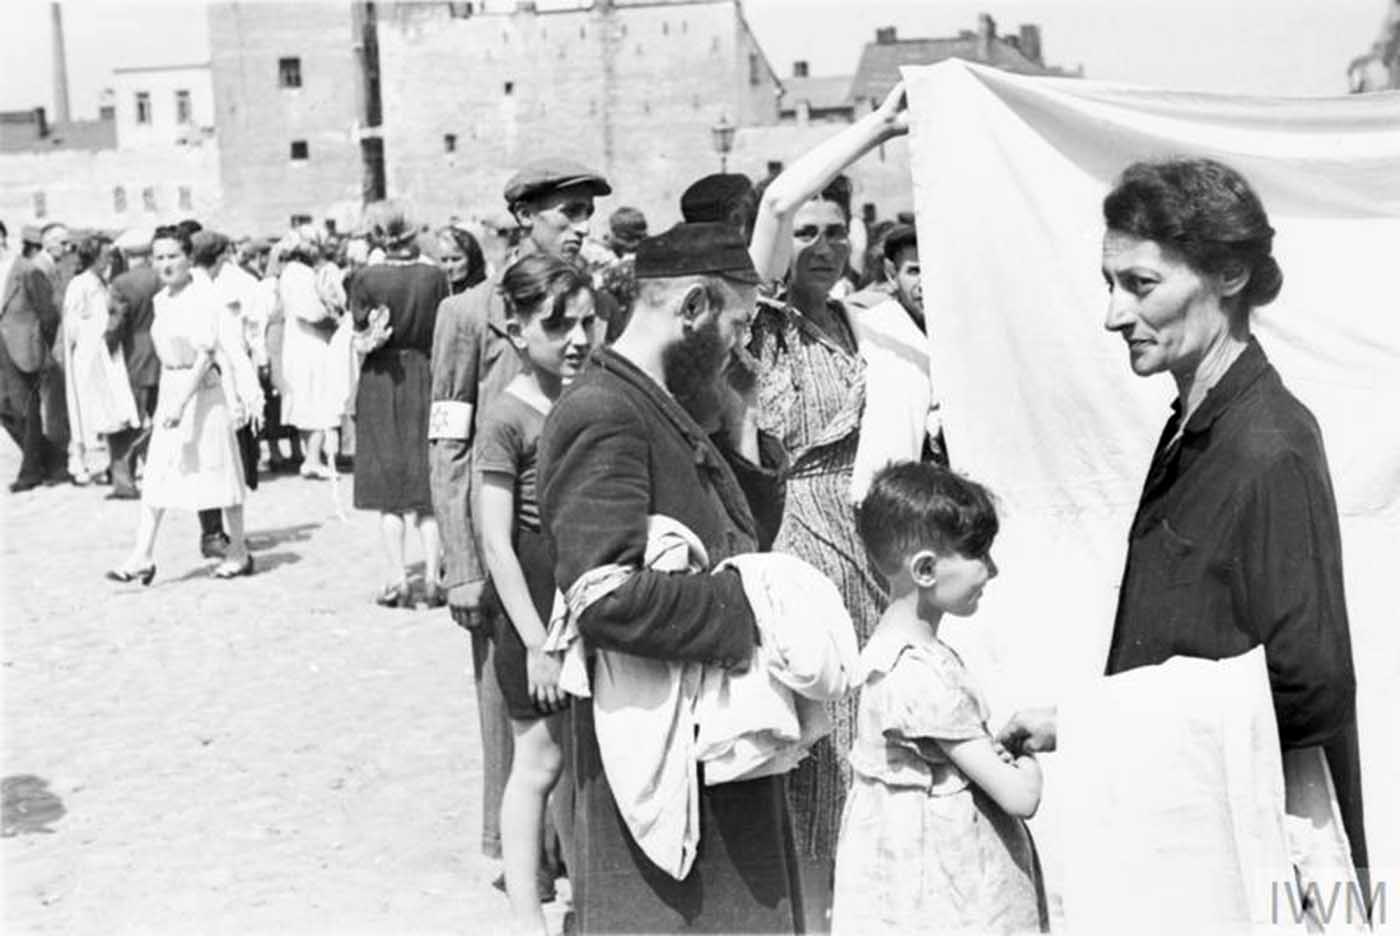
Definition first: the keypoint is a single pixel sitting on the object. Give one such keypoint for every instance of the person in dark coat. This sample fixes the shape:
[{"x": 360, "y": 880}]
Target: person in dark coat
[
  {"x": 652, "y": 427},
  {"x": 1236, "y": 540},
  {"x": 131, "y": 308},
  {"x": 29, "y": 323}
]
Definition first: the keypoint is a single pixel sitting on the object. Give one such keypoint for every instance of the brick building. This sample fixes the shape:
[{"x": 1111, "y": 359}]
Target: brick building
[
  {"x": 289, "y": 97},
  {"x": 322, "y": 106},
  {"x": 631, "y": 87},
  {"x": 147, "y": 157}
]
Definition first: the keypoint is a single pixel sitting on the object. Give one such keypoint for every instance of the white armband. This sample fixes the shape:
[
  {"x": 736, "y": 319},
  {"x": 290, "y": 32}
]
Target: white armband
[{"x": 450, "y": 419}]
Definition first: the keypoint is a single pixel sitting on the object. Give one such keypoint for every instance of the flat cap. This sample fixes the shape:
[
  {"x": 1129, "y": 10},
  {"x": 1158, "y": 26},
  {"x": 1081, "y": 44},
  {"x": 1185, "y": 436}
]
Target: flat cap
[
  {"x": 713, "y": 197},
  {"x": 546, "y": 175},
  {"x": 696, "y": 249},
  {"x": 135, "y": 240}
]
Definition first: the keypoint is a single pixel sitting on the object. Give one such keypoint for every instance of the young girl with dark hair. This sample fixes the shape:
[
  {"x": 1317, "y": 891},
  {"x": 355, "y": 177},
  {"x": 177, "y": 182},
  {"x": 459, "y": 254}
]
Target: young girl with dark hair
[
  {"x": 551, "y": 325},
  {"x": 932, "y": 837}
]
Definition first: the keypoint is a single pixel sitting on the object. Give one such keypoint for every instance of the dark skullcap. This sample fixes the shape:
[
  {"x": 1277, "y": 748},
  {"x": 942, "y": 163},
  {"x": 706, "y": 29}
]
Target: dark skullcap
[
  {"x": 696, "y": 249},
  {"x": 715, "y": 196}
]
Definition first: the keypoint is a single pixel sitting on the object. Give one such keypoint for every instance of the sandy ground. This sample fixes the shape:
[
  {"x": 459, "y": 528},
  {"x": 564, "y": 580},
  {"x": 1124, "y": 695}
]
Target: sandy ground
[{"x": 265, "y": 755}]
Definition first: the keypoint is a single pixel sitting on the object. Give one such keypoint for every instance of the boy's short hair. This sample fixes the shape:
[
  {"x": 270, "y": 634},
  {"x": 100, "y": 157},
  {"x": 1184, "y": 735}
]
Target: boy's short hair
[{"x": 916, "y": 505}]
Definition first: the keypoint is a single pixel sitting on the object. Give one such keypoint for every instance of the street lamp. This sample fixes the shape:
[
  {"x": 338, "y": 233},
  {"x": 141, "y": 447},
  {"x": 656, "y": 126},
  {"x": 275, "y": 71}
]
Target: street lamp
[{"x": 722, "y": 134}]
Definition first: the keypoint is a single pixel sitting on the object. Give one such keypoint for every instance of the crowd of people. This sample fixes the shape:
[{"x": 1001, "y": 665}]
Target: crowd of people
[{"x": 635, "y": 463}]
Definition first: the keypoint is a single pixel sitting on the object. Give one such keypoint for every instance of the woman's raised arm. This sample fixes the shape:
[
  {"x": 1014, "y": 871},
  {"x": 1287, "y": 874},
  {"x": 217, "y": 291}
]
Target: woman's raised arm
[{"x": 771, "y": 243}]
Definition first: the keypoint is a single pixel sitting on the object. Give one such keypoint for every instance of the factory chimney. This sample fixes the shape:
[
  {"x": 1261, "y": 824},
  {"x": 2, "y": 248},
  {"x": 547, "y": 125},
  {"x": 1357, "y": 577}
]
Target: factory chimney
[{"x": 60, "y": 68}]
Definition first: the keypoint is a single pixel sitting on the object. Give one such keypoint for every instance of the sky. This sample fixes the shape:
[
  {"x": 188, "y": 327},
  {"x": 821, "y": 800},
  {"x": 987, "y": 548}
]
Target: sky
[{"x": 1272, "y": 47}]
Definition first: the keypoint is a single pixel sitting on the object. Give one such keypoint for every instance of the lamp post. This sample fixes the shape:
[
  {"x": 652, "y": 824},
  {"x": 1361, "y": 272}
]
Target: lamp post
[{"x": 722, "y": 135}]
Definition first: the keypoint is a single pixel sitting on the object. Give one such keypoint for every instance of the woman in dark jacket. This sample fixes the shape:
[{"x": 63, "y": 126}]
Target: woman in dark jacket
[{"x": 1236, "y": 540}]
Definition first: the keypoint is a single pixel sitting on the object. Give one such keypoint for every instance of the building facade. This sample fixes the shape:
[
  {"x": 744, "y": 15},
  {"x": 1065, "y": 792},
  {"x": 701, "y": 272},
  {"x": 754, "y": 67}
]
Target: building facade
[
  {"x": 289, "y": 107},
  {"x": 630, "y": 88},
  {"x": 163, "y": 105}
]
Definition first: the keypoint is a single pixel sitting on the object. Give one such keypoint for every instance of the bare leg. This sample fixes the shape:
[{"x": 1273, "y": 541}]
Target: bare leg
[
  {"x": 534, "y": 770},
  {"x": 391, "y": 526},
  {"x": 147, "y": 527},
  {"x": 432, "y": 550},
  {"x": 237, "y": 544}
]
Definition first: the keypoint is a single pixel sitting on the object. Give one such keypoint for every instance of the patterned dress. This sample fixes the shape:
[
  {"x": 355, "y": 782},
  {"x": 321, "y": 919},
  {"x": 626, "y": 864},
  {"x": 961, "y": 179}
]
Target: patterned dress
[
  {"x": 811, "y": 395},
  {"x": 922, "y": 849}
]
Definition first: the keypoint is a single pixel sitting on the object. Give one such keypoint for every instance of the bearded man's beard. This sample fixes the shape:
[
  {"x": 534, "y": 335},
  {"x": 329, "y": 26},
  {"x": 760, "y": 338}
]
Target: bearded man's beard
[{"x": 693, "y": 374}]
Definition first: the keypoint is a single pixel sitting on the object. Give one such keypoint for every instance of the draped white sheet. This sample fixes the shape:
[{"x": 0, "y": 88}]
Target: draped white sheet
[{"x": 1039, "y": 402}]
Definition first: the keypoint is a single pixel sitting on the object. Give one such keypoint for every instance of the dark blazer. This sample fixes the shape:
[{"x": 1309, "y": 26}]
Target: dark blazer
[
  {"x": 130, "y": 310},
  {"x": 615, "y": 449},
  {"x": 29, "y": 316},
  {"x": 1236, "y": 543}
]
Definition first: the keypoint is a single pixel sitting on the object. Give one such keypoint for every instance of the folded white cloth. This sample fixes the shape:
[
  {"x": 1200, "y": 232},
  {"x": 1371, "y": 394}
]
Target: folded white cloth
[{"x": 655, "y": 719}]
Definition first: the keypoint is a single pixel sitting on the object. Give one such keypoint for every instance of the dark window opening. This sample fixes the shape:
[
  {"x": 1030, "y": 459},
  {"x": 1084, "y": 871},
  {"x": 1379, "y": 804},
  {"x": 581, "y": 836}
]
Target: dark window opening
[
  {"x": 186, "y": 196},
  {"x": 665, "y": 29},
  {"x": 299, "y": 219},
  {"x": 41, "y": 205},
  {"x": 143, "y": 107},
  {"x": 119, "y": 199},
  {"x": 510, "y": 87},
  {"x": 755, "y": 74},
  {"x": 300, "y": 150},
  {"x": 148, "y": 198},
  {"x": 289, "y": 72},
  {"x": 460, "y": 10},
  {"x": 449, "y": 142},
  {"x": 184, "y": 109}
]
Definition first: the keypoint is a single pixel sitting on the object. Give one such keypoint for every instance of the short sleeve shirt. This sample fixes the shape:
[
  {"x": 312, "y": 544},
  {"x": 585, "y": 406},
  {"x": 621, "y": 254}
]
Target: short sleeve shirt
[{"x": 508, "y": 443}]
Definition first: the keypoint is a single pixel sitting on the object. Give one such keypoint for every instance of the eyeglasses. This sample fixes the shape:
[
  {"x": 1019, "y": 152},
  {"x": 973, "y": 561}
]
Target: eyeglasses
[{"x": 832, "y": 232}]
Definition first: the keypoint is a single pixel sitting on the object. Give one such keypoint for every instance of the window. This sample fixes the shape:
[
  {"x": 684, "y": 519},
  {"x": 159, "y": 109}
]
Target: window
[
  {"x": 510, "y": 87},
  {"x": 300, "y": 149},
  {"x": 186, "y": 196},
  {"x": 143, "y": 107},
  {"x": 289, "y": 72},
  {"x": 148, "y": 198},
  {"x": 755, "y": 74},
  {"x": 665, "y": 28},
  {"x": 449, "y": 142},
  {"x": 460, "y": 10},
  {"x": 184, "y": 112},
  {"x": 299, "y": 219},
  {"x": 119, "y": 200},
  {"x": 41, "y": 205}
]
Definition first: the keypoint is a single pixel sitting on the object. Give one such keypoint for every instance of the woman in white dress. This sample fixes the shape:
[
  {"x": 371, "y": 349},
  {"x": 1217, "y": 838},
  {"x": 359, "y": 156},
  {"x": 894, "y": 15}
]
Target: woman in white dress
[
  {"x": 193, "y": 461},
  {"x": 98, "y": 392},
  {"x": 314, "y": 376}
]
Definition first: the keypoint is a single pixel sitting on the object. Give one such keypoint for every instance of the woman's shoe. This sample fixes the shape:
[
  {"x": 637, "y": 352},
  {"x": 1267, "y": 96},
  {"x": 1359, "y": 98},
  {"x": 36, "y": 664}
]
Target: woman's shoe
[
  {"x": 144, "y": 576},
  {"x": 315, "y": 472},
  {"x": 231, "y": 569},
  {"x": 395, "y": 596}
]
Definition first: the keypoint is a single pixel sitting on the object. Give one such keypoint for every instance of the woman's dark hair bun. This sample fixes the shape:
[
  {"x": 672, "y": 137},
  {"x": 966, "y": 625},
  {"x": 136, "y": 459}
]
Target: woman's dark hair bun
[{"x": 1265, "y": 281}]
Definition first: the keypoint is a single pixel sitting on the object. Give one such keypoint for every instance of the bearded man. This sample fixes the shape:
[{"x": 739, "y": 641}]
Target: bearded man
[{"x": 662, "y": 423}]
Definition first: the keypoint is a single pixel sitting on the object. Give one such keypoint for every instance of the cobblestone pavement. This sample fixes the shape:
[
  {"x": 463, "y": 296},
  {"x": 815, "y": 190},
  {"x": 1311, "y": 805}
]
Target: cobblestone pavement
[{"x": 273, "y": 754}]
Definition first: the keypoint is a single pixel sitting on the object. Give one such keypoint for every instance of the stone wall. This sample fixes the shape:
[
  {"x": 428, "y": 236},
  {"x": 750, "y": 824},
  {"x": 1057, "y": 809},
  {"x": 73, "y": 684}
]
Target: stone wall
[
  {"x": 257, "y": 120},
  {"x": 632, "y": 91}
]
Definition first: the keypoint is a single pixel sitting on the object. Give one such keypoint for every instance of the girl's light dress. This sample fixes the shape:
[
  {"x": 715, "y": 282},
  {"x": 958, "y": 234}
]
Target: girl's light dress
[{"x": 922, "y": 850}]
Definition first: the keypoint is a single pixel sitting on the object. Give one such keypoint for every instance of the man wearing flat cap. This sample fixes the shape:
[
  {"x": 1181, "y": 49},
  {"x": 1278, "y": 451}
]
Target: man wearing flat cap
[
  {"x": 130, "y": 312},
  {"x": 661, "y": 424},
  {"x": 29, "y": 324},
  {"x": 473, "y": 360}
]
